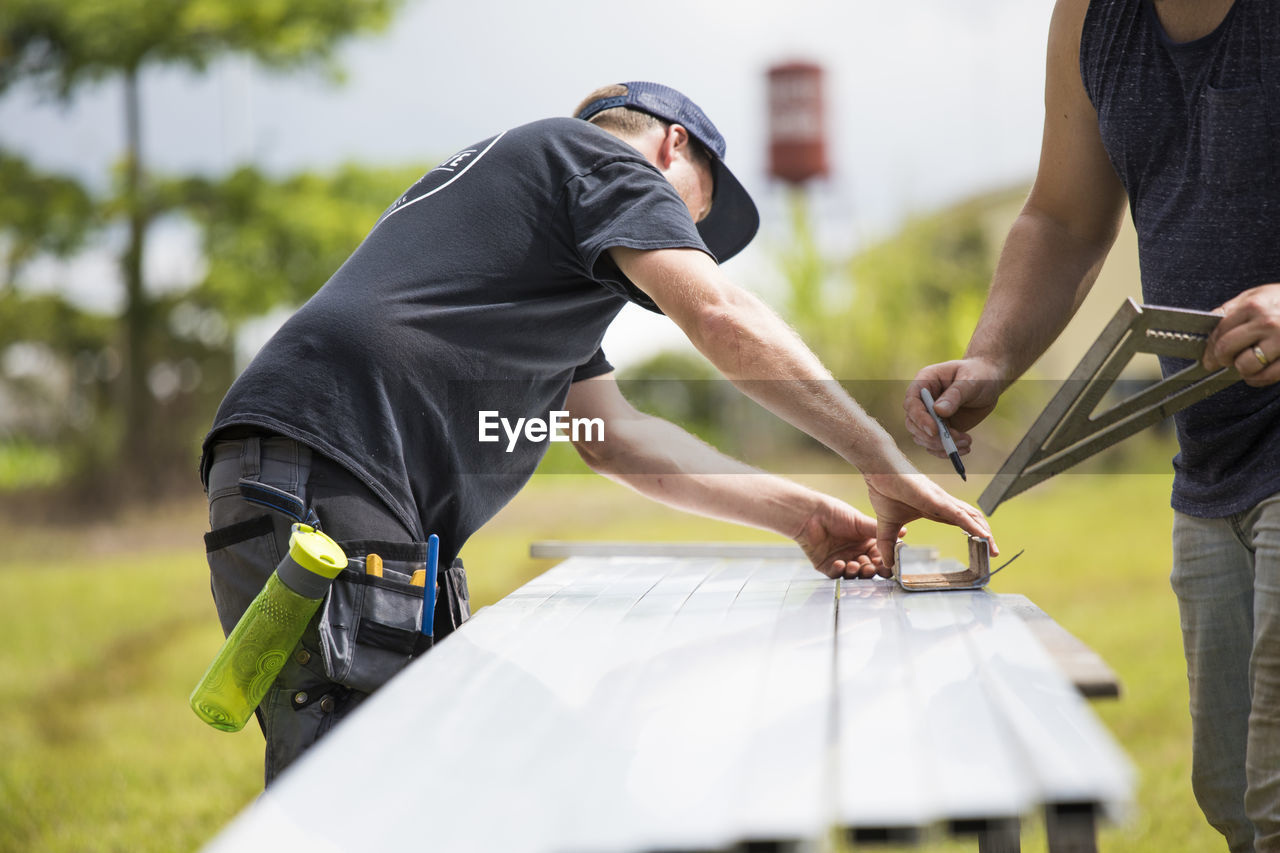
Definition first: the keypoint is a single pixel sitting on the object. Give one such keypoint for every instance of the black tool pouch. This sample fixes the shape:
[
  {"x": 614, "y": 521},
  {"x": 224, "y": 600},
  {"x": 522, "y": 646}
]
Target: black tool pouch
[
  {"x": 371, "y": 627},
  {"x": 453, "y": 602}
]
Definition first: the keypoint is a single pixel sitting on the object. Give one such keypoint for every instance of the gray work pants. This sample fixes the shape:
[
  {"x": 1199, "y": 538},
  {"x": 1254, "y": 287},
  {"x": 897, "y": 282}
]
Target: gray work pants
[
  {"x": 1226, "y": 573},
  {"x": 339, "y": 661}
]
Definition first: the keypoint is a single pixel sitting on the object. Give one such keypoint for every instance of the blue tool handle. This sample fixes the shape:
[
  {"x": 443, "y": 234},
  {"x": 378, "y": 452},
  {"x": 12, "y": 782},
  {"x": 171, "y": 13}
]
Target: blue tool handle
[{"x": 429, "y": 588}]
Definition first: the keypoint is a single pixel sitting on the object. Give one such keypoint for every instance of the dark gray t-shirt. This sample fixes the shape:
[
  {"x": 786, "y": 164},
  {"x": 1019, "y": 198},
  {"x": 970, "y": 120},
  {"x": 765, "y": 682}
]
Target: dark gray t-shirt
[
  {"x": 486, "y": 287},
  {"x": 1192, "y": 131}
]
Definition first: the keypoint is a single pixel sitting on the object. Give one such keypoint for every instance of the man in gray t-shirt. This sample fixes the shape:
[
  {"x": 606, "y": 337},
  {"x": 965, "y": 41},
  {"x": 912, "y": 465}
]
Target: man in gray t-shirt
[{"x": 480, "y": 298}]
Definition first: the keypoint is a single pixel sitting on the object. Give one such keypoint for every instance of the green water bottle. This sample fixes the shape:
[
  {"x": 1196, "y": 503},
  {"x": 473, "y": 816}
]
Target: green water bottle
[{"x": 257, "y": 648}]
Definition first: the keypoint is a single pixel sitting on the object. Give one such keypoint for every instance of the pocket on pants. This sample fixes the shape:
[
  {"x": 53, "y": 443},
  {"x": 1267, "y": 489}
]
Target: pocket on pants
[
  {"x": 370, "y": 627},
  {"x": 241, "y": 557},
  {"x": 300, "y": 708},
  {"x": 453, "y": 603}
]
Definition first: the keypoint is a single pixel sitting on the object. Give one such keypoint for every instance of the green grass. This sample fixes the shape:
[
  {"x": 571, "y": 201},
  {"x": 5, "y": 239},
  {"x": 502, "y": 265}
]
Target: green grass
[
  {"x": 100, "y": 751},
  {"x": 24, "y": 465},
  {"x": 107, "y": 628}
]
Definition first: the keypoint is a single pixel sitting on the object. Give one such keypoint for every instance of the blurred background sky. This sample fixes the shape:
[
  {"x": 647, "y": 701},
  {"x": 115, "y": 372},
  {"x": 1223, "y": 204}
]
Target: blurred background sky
[{"x": 927, "y": 102}]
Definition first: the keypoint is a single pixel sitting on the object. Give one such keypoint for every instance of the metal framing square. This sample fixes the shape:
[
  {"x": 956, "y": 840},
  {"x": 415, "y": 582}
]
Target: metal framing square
[{"x": 1069, "y": 430}]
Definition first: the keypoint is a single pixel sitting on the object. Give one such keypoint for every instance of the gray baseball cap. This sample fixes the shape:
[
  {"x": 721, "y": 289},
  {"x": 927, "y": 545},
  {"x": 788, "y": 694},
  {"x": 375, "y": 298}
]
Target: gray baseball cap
[{"x": 733, "y": 220}]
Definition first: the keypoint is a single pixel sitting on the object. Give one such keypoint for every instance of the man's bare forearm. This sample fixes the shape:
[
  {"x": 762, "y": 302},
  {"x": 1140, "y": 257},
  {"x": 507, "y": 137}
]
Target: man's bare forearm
[
  {"x": 755, "y": 349},
  {"x": 1056, "y": 246},
  {"x": 665, "y": 463}
]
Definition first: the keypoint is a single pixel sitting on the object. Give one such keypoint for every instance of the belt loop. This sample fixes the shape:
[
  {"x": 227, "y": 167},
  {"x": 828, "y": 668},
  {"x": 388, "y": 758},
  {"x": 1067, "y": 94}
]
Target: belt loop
[
  {"x": 251, "y": 458},
  {"x": 303, "y": 466}
]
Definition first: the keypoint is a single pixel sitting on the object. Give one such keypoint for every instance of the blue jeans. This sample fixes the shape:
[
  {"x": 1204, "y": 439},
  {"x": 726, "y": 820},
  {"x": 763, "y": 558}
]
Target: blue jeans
[{"x": 1226, "y": 574}]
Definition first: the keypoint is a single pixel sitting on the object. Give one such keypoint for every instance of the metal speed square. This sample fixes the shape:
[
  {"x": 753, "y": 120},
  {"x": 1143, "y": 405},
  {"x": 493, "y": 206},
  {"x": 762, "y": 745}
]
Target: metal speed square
[{"x": 1069, "y": 431}]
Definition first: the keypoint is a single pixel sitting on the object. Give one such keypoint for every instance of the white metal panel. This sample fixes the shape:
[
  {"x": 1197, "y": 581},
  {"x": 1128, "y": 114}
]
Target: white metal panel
[
  {"x": 983, "y": 725},
  {"x": 1071, "y": 756},
  {"x": 905, "y": 672},
  {"x": 651, "y": 703},
  {"x": 788, "y": 783},
  {"x": 685, "y": 716}
]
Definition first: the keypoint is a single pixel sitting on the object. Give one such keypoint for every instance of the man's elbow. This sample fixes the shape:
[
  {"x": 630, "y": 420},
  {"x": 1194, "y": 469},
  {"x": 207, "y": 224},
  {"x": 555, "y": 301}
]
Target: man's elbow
[
  {"x": 595, "y": 454},
  {"x": 722, "y": 328},
  {"x": 621, "y": 445},
  {"x": 604, "y": 449}
]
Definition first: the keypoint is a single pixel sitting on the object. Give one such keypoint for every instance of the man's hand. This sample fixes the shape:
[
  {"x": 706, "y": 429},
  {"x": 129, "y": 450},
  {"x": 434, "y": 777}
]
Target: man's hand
[
  {"x": 1248, "y": 336},
  {"x": 841, "y": 542},
  {"x": 964, "y": 393},
  {"x": 898, "y": 499}
]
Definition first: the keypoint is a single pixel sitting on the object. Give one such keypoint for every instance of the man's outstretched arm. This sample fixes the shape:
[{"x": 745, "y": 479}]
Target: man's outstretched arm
[
  {"x": 1050, "y": 260},
  {"x": 663, "y": 462},
  {"x": 752, "y": 346}
]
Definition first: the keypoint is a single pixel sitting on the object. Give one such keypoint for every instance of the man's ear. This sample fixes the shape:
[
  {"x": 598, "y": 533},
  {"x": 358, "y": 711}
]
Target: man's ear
[{"x": 675, "y": 144}]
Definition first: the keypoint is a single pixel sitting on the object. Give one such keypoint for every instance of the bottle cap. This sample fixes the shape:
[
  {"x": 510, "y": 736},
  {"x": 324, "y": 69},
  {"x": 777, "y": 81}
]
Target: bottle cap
[{"x": 315, "y": 551}]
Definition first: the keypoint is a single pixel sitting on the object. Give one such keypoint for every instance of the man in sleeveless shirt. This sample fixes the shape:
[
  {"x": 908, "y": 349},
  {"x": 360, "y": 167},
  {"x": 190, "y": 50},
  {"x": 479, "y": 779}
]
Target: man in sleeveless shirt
[
  {"x": 1172, "y": 107},
  {"x": 481, "y": 297}
]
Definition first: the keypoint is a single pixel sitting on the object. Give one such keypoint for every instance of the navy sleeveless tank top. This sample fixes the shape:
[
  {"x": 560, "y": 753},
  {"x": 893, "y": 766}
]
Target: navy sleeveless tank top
[{"x": 1193, "y": 130}]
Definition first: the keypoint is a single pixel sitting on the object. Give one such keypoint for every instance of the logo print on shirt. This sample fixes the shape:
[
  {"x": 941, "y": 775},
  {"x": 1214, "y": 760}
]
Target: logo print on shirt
[
  {"x": 440, "y": 177},
  {"x": 455, "y": 162}
]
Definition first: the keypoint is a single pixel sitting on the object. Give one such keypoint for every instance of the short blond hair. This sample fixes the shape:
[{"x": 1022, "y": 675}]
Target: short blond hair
[
  {"x": 624, "y": 120},
  {"x": 628, "y": 121}
]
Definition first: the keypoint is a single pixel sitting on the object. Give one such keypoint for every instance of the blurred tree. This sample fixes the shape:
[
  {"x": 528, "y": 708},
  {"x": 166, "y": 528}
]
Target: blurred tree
[
  {"x": 270, "y": 242},
  {"x": 914, "y": 299},
  {"x": 916, "y": 296},
  {"x": 63, "y": 44},
  {"x": 39, "y": 213},
  {"x": 817, "y": 298}
]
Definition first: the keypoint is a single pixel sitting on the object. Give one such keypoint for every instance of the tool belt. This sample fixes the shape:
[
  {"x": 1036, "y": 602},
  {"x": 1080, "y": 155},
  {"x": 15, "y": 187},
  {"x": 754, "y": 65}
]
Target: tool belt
[{"x": 371, "y": 627}]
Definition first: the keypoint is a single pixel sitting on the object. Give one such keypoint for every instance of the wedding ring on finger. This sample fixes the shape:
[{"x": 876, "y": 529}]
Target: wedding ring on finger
[{"x": 1260, "y": 356}]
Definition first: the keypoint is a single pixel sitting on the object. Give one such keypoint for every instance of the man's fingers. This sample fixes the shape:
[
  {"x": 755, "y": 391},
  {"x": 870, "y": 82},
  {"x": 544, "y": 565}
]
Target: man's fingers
[
  {"x": 1250, "y": 319},
  {"x": 940, "y": 380},
  {"x": 949, "y": 401},
  {"x": 1235, "y": 347},
  {"x": 973, "y": 522},
  {"x": 861, "y": 568},
  {"x": 936, "y": 452},
  {"x": 931, "y": 441},
  {"x": 886, "y": 538},
  {"x": 967, "y": 518},
  {"x": 1262, "y": 376},
  {"x": 919, "y": 423}
]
